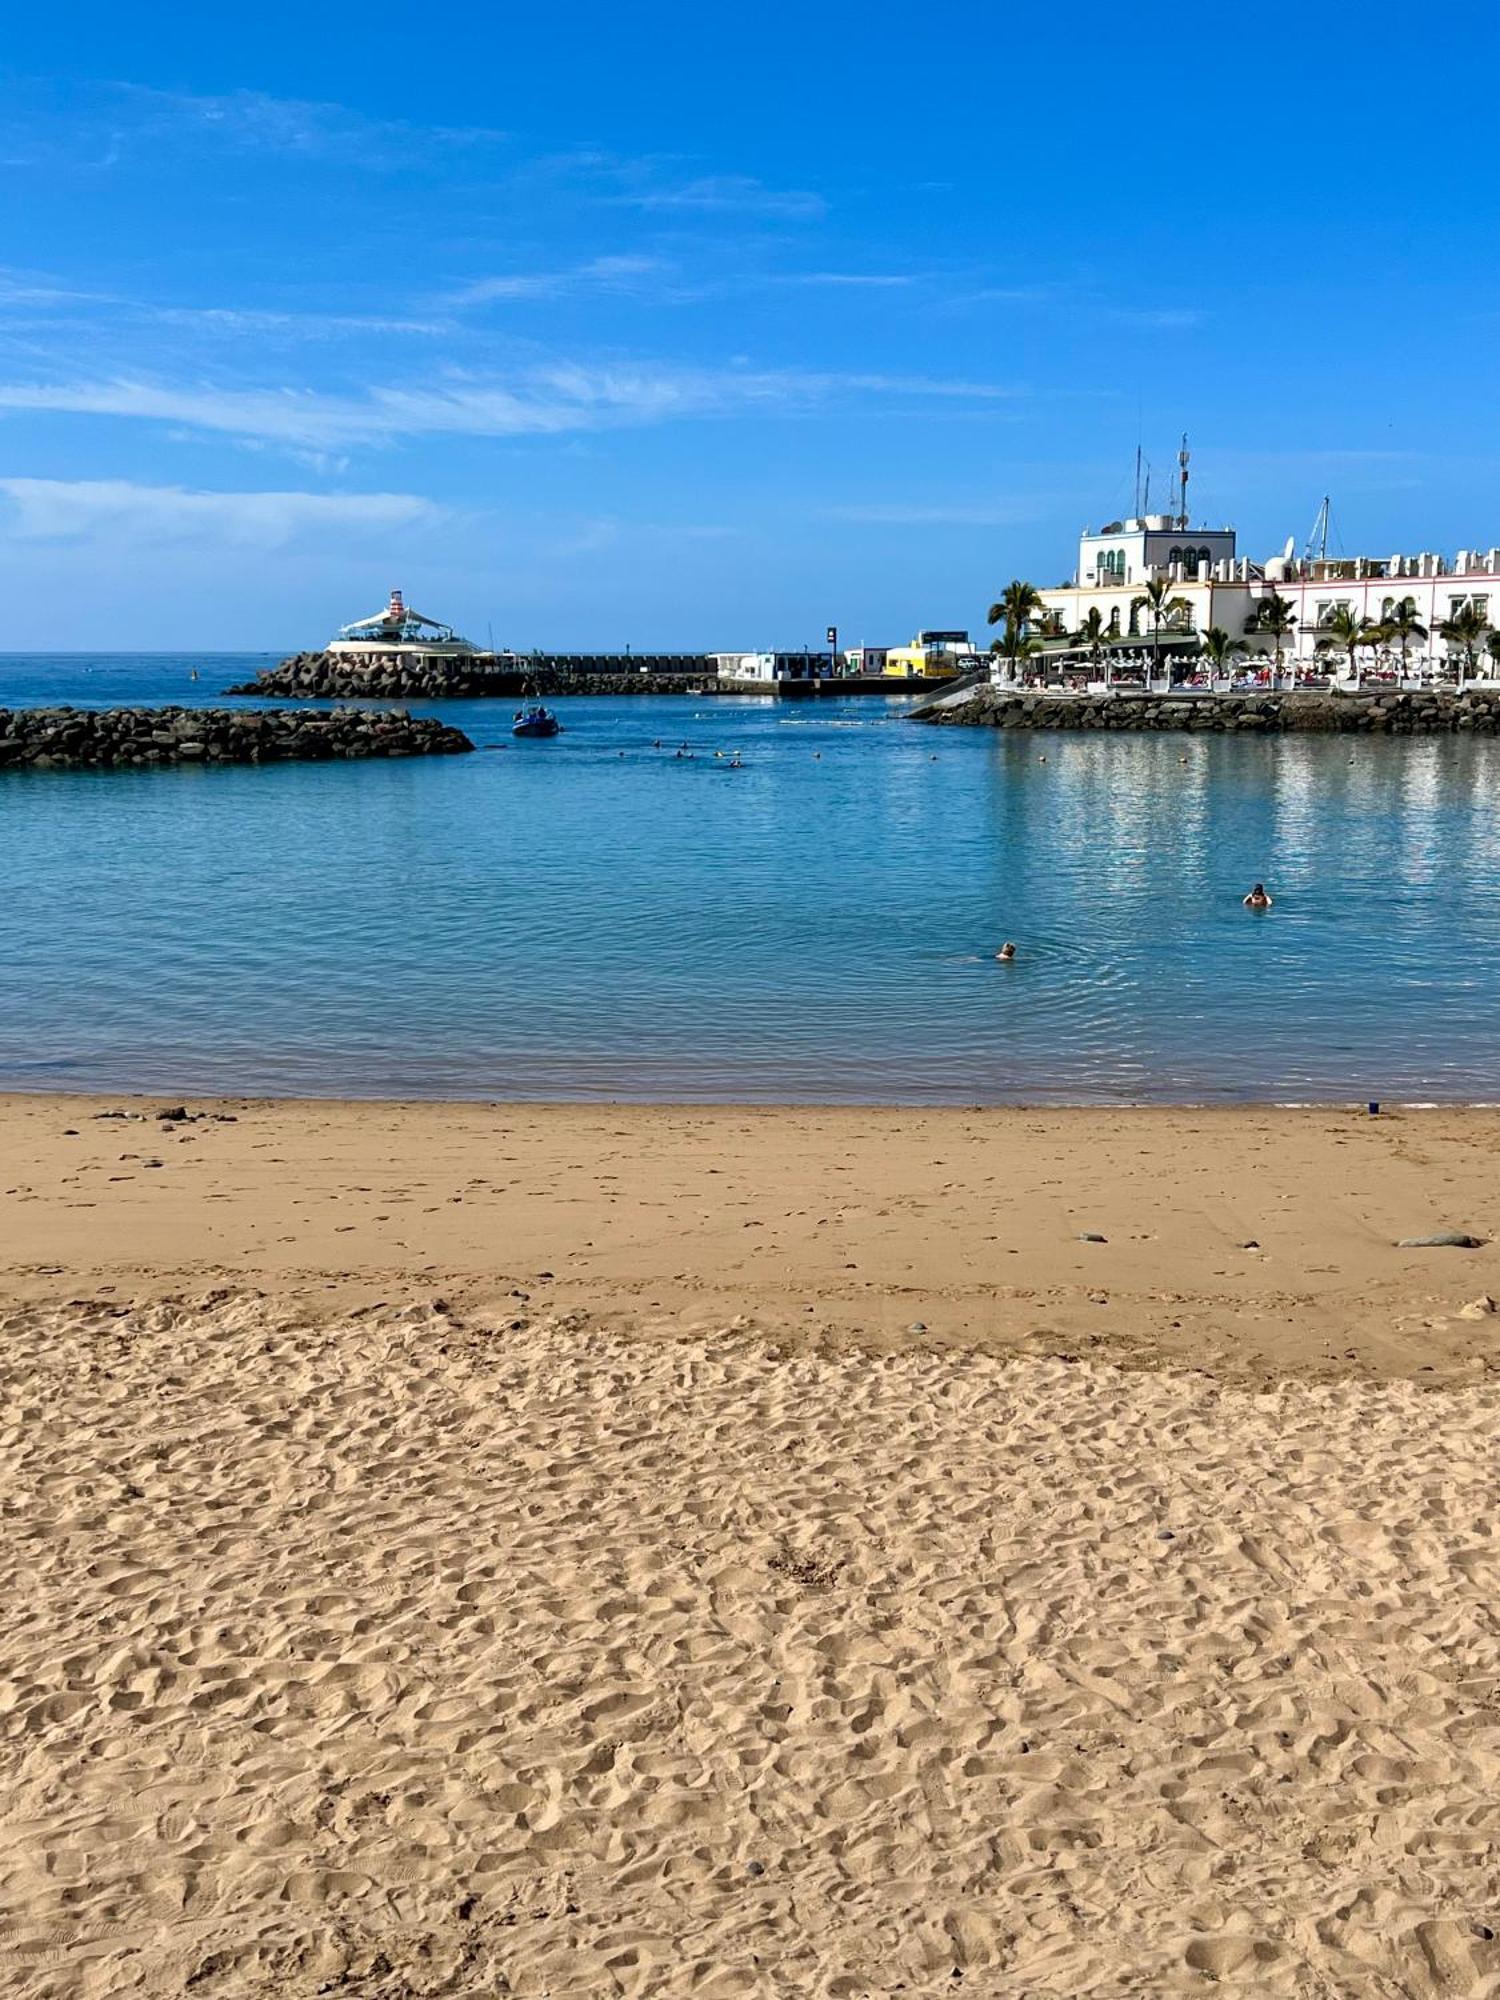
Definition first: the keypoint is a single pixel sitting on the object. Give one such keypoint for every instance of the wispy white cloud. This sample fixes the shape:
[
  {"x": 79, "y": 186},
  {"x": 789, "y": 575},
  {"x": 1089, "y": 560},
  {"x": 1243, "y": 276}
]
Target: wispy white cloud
[
  {"x": 29, "y": 295},
  {"x": 1012, "y": 295},
  {"x": 949, "y": 388},
  {"x": 728, "y": 194},
  {"x": 36, "y": 288},
  {"x": 667, "y": 184},
  {"x": 615, "y": 274},
  {"x": 545, "y": 400},
  {"x": 253, "y": 121},
  {"x": 302, "y": 325},
  {"x": 664, "y": 280},
  {"x": 117, "y": 510},
  {"x": 1163, "y": 319},
  {"x": 873, "y": 280}
]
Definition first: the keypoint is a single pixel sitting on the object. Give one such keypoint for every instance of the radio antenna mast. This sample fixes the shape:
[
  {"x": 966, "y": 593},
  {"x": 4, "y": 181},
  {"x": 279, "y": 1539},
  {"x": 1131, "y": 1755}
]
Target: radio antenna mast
[
  {"x": 1182, "y": 466},
  {"x": 1137, "y": 482}
]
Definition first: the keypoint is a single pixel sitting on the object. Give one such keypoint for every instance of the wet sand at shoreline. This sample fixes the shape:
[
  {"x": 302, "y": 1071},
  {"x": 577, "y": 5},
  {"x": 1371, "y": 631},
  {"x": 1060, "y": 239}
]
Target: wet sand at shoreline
[
  {"x": 562, "y": 1550},
  {"x": 1258, "y": 1242}
]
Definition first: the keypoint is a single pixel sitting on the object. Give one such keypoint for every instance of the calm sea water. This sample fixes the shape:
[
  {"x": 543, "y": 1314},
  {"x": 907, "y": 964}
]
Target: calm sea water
[{"x": 596, "y": 917}]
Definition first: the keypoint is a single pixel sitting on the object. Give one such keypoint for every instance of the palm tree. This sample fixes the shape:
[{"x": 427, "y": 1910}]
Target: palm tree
[
  {"x": 1275, "y": 615},
  {"x": 1020, "y": 604},
  {"x": 1344, "y": 629},
  {"x": 1094, "y": 634},
  {"x": 1492, "y": 647},
  {"x": 1162, "y": 609},
  {"x": 1219, "y": 649},
  {"x": 1402, "y": 624},
  {"x": 1464, "y": 629}
]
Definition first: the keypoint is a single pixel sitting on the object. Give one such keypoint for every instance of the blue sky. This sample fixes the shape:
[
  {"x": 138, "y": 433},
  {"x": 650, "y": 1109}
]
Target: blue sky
[{"x": 683, "y": 327}]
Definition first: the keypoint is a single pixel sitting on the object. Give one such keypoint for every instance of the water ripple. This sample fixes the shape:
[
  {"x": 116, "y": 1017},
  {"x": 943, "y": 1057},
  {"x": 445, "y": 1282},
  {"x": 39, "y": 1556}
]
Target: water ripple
[{"x": 599, "y": 917}]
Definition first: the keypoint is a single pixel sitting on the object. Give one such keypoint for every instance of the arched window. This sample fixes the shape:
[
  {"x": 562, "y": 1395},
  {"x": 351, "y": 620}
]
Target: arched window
[
  {"x": 1205, "y": 557},
  {"x": 1190, "y": 562},
  {"x": 1175, "y": 557},
  {"x": 1114, "y": 622}
]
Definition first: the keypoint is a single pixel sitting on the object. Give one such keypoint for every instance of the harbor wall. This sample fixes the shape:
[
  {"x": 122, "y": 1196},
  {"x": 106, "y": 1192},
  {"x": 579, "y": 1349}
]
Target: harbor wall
[
  {"x": 73, "y": 739},
  {"x": 1378, "y": 713},
  {"x": 354, "y": 677}
]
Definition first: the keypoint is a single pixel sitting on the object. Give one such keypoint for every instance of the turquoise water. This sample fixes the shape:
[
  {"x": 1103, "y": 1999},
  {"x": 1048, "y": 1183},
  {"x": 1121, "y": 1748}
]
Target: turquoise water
[{"x": 594, "y": 917}]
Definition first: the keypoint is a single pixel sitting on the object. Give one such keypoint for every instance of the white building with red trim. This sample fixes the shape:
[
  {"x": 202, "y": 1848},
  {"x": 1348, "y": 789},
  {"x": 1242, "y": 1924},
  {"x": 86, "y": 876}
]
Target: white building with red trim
[{"x": 398, "y": 630}]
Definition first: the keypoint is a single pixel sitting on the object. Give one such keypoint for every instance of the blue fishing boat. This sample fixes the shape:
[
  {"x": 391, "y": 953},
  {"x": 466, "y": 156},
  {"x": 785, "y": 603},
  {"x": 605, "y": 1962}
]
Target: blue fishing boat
[{"x": 534, "y": 720}]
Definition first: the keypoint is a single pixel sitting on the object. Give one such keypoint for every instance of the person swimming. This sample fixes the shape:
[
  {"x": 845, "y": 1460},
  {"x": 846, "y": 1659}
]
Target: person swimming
[
  {"x": 1257, "y": 898},
  {"x": 1006, "y": 953}
]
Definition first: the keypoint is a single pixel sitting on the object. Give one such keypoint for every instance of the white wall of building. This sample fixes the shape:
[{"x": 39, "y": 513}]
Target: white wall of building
[
  {"x": 1134, "y": 550},
  {"x": 1228, "y": 597},
  {"x": 1212, "y": 603},
  {"x": 1370, "y": 598}
]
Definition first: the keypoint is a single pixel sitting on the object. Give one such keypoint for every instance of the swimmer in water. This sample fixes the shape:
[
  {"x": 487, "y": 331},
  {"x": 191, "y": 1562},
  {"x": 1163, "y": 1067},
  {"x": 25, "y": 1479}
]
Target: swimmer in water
[
  {"x": 1257, "y": 898},
  {"x": 1006, "y": 953}
]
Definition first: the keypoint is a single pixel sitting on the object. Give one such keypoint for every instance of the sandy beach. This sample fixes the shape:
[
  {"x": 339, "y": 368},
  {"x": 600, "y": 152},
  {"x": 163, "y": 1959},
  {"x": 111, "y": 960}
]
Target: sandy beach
[{"x": 563, "y": 1551}]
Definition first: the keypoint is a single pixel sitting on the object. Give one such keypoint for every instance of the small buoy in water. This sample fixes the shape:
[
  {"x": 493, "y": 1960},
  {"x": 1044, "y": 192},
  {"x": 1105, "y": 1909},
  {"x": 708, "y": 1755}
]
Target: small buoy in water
[{"x": 1041, "y": 760}]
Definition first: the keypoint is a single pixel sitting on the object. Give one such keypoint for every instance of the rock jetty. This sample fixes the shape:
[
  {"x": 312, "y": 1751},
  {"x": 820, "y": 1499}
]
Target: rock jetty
[
  {"x": 69, "y": 739},
  {"x": 1377, "y": 713},
  {"x": 345, "y": 677}
]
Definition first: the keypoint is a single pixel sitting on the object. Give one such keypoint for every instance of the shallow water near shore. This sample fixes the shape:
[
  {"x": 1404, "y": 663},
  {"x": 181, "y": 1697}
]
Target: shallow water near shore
[{"x": 599, "y": 917}]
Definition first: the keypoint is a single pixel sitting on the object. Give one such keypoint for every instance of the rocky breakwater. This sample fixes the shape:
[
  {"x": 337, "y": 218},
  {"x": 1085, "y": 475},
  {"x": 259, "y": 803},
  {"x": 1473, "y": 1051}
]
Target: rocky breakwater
[
  {"x": 1383, "y": 713},
  {"x": 83, "y": 739},
  {"x": 354, "y": 677}
]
